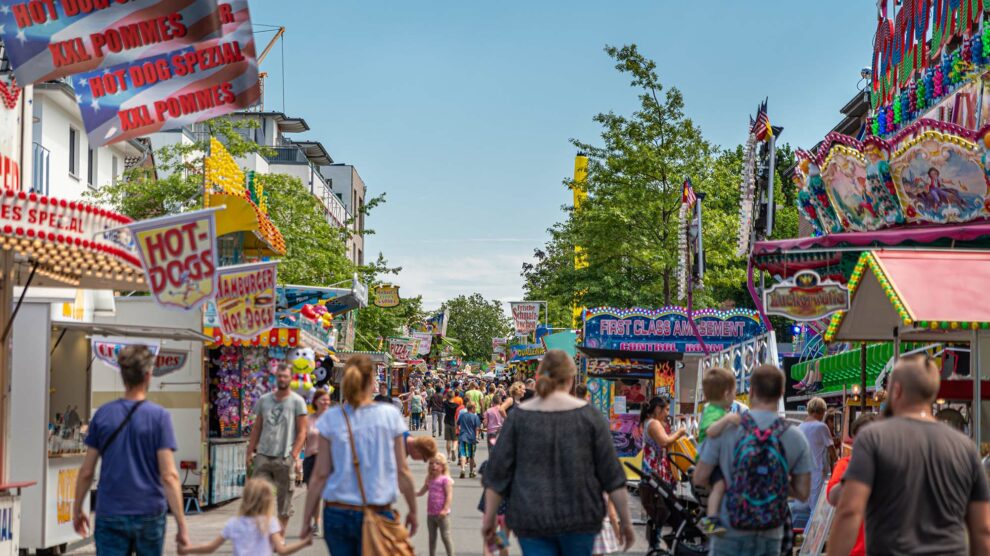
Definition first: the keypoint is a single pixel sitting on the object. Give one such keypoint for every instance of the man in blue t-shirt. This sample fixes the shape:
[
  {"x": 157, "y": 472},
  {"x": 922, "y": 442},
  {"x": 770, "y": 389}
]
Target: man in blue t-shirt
[
  {"x": 138, "y": 480},
  {"x": 468, "y": 424}
]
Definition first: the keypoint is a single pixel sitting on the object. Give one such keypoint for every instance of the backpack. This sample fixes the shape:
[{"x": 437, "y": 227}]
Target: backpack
[{"x": 757, "y": 496}]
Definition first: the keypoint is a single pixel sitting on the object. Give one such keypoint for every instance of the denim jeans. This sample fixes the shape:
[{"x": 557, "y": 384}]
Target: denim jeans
[
  {"x": 437, "y": 422},
  {"x": 123, "y": 535},
  {"x": 749, "y": 545},
  {"x": 414, "y": 420},
  {"x": 342, "y": 530},
  {"x": 800, "y": 514},
  {"x": 571, "y": 544}
]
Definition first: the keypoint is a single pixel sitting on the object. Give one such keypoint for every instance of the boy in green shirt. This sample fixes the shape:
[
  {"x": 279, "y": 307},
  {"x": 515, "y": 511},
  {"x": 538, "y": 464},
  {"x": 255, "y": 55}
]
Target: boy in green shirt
[{"x": 719, "y": 386}]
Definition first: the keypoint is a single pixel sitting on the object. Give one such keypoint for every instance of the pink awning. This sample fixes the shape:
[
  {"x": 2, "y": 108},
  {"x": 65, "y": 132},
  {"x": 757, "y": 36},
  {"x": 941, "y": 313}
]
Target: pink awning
[
  {"x": 941, "y": 286},
  {"x": 889, "y": 237}
]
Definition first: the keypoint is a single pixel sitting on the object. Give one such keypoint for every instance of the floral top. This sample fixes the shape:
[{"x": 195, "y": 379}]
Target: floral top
[{"x": 654, "y": 455}]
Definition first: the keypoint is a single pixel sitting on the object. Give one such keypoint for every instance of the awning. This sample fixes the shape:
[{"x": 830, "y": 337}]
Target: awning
[
  {"x": 922, "y": 235},
  {"x": 240, "y": 214},
  {"x": 276, "y": 337},
  {"x": 924, "y": 295},
  {"x": 68, "y": 243},
  {"x": 134, "y": 331},
  {"x": 336, "y": 300}
]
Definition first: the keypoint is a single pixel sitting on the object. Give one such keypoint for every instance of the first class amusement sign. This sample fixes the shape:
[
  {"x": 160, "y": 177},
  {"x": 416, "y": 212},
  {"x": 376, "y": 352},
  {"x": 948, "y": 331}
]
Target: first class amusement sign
[{"x": 668, "y": 329}]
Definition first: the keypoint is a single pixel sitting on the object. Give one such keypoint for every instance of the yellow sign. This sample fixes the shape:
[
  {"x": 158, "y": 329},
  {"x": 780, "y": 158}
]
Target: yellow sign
[
  {"x": 246, "y": 299},
  {"x": 387, "y": 296},
  {"x": 223, "y": 175},
  {"x": 66, "y": 494}
]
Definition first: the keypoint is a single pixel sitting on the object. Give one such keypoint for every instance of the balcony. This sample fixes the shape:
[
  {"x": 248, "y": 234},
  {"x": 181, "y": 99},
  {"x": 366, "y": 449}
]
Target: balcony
[
  {"x": 40, "y": 164},
  {"x": 287, "y": 155}
]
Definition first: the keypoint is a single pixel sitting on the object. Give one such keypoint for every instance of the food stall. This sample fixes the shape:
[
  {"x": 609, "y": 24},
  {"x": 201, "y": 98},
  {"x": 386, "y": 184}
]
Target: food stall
[
  {"x": 524, "y": 360},
  {"x": 925, "y": 296},
  {"x": 381, "y": 359},
  {"x": 631, "y": 355},
  {"x": 238, "y": 372}
]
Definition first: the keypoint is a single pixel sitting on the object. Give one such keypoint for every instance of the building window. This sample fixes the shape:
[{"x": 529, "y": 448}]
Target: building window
[
  {"x": 73, "y": 152},
  {"x": 91, "y": 167}
]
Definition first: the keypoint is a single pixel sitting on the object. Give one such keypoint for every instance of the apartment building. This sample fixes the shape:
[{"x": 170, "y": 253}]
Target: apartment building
[
  {"x": 65, "y": 164},
  {"x": 349, "y": 188}
]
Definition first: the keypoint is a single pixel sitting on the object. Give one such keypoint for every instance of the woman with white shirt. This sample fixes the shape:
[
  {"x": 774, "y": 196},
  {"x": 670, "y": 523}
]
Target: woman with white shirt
[{"x": 378, "y": 435}]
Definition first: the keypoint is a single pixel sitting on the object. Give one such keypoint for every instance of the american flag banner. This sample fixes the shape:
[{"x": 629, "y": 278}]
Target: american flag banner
[
  {"x": 688, "y": 196},
  {"x": 174, "y": 89},
  {"x": 48, "y": 39},
  {"x": 761, "y": 127}
]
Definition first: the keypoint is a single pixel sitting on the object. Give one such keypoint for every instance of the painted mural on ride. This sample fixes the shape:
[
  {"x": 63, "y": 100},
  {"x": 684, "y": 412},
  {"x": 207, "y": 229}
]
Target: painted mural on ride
[{"x": 924, "y": 159}]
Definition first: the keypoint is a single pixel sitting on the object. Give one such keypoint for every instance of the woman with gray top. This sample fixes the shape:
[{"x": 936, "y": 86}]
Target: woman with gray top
[{"x": 555, "y": 456}]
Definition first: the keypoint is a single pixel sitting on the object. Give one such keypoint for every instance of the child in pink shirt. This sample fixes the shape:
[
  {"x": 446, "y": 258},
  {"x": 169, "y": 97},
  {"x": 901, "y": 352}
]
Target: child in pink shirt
[{"x": 440, "y": 487}]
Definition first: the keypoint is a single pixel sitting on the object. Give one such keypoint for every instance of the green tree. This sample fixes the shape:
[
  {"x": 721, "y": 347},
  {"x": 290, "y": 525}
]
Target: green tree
[
  {"x": 376, "y": 323},
  {"x": 474, "y": 321},
  {"x": 315, "y": 250},
  {"x": 628, "y": 227}
]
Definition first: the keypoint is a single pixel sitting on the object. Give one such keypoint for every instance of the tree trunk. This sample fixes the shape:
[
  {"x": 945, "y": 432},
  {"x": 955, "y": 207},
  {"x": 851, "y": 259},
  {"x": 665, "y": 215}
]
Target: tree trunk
[{"x": 666, "y": 287}]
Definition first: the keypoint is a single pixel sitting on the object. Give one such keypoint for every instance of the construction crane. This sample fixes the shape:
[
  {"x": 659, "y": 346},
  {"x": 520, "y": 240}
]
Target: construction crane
[{"x": 261, "y": 57}]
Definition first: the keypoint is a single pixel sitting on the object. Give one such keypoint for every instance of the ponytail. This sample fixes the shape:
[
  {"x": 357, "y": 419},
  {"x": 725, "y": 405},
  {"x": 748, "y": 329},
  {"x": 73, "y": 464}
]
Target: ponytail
[
  {"x": 359, "y": 372},
  {"x": 649, "y": 408},
  {"x": 555, "y": 371}
]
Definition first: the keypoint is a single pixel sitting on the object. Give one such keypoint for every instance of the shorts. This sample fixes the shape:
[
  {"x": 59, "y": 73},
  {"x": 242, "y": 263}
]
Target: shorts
[
  {"x": 280, "y": 472},
  {"x": 308, "y": 464},
  {"x": 448, "y": 432},
  {"x": 467, "y": 449},
  {"x": 716, "y": 476}
]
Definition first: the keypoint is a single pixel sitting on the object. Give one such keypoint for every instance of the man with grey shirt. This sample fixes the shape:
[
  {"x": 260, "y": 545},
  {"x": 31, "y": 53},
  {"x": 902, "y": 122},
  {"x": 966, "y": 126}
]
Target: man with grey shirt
[
  {"x": 766, "y": 386},
  {"x": 279, "y": 434},
  {"x": 918, "y": 483}
]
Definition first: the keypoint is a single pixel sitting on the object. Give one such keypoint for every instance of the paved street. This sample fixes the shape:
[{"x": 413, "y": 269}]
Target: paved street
[{"x": 465, "y": 527}]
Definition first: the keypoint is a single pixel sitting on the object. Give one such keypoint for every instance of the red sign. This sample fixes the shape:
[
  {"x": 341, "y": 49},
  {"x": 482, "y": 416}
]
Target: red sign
[{"x": 246, "y": 299}]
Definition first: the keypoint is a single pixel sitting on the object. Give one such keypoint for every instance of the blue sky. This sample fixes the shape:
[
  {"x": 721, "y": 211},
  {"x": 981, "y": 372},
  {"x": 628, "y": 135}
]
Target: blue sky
[{"x": 461, "y": 111}]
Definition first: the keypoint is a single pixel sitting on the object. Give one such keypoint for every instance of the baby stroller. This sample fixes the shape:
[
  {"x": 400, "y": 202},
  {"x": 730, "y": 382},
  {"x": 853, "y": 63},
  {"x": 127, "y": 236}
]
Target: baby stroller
[{"x": 676, "y": 514}]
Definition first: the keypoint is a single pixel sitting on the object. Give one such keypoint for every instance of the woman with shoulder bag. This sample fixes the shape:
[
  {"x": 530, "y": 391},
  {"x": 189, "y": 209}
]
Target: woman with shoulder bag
[{"x": 360, "y": 470}]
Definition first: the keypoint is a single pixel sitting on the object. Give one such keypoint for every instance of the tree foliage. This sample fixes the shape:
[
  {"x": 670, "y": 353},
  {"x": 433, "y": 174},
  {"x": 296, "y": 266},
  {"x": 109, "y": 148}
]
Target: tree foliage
[
  {"x": 377, "y": 323},
  {"x": 628, "y": 227},
  {"x": 474, "y": 321}
]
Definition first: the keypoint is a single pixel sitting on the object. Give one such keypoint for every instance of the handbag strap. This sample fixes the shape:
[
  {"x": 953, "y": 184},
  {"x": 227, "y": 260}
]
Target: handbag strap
[
  {"x": 354, "y": 457},
  {"x": 120, "y": 427}
]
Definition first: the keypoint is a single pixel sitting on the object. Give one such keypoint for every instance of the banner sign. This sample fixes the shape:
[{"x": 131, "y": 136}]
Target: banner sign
[
  {"x": 498, "y": 345},
  {"x": 387, "y": 296},
  {"x": 806, "y": 297},
  {"x": 436, "y": 325},
  {"x": 617, "y": 367},
  {"x": 10, "y": 135},
  {"x": 106, "y": 349},
  {"x": 179, "y": 257},
  {"x": 425, "y": 342},
  {"x": 668, "y": 329},
  {"x": 526, "y": 352},
  {"x": 45, "y": 39},
  {"x": 245, "y": 299},
  {"x": 403, "y": 349},
  {"x": 173, "y": 89},
  {"x": 525, "y": 314},
  {"x": 169, "y": 360}
]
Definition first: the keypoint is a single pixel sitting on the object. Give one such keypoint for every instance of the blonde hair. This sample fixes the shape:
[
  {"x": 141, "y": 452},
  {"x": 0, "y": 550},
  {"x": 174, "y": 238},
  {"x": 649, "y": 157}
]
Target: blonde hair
[
  {"x": 555, "y": 370},
  {"x": 359, "y": 373},
  {"x": 817, "y": 406},
  {"x": 716, "y": 382},
  {"x": 517, "y": 389},
  {"x": 442, "y": 460},
  {"x": 258, "y": 501}
]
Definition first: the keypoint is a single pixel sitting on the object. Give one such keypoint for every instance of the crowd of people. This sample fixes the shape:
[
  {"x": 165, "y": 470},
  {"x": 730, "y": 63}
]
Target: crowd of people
[{"x": 552, "y": 479}]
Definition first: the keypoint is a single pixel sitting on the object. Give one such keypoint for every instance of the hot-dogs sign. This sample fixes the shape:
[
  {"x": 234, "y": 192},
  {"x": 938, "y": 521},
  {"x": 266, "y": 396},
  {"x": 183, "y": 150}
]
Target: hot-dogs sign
[
  {"x": 246, "y": 299},
  {"x": 179, "y": 256}
]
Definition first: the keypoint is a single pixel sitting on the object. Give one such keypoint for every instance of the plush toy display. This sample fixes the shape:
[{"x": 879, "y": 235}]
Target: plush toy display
[
  {"x": 323, "y": 374},
  {"x": 303, "y": 362}
]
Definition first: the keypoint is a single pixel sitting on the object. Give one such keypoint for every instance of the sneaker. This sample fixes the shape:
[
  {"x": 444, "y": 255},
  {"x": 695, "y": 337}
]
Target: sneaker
[
  {"x": 711, "y": 526},
  {"x": 473, "y": 474},
  {"x": 315, "y": 530},
  {"x": 462, "y": 474}
]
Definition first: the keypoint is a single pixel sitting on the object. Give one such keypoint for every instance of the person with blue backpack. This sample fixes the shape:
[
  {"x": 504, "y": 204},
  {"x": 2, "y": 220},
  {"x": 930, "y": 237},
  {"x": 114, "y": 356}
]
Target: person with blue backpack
[{"x": 764, "y": 461}]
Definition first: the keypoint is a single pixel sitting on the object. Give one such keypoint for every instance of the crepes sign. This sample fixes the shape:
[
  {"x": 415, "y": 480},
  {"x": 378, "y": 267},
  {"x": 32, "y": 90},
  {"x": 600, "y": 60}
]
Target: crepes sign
[{"x": 167, "y": 361}]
